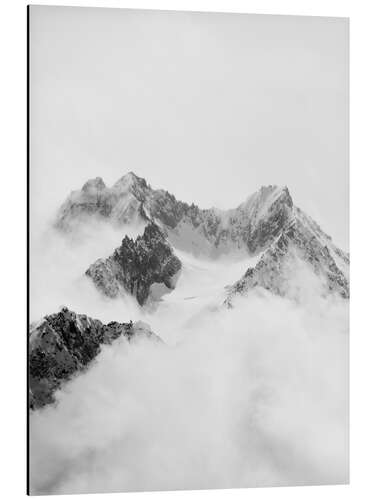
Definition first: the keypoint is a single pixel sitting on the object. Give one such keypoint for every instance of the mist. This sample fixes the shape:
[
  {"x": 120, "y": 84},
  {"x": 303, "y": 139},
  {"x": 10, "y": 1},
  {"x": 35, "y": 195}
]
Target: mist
[
  {"x": 58, "y": 263},
  {"x": 256, "y": 395}
]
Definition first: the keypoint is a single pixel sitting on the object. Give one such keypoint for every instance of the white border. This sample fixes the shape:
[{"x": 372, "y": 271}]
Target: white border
[{"x": 13, "y": 240}]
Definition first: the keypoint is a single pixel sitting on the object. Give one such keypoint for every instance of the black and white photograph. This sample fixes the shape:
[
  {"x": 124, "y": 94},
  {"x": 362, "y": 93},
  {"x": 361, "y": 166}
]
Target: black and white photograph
[{"x": 188, "y": 250}]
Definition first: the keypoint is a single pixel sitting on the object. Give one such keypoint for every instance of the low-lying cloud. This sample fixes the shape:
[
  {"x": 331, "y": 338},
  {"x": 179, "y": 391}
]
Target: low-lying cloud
[{"x": 252, "y": 396}]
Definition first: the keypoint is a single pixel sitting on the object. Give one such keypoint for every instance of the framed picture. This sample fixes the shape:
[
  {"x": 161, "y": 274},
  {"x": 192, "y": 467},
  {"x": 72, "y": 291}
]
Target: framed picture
[{"x": 188, "y": 315}]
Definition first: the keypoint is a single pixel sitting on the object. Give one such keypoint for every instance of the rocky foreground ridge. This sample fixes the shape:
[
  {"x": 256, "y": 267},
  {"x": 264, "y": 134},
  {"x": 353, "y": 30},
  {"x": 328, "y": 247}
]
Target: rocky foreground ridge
[
  {"x": 137, "y": 265},
  {"x": 64, "y": 344}
]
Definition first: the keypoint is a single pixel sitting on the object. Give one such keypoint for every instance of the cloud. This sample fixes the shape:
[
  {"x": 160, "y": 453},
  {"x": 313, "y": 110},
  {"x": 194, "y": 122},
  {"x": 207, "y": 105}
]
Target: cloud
[
  {"x": 253, "y": 396},
  {"x": 57, "y": 269}
]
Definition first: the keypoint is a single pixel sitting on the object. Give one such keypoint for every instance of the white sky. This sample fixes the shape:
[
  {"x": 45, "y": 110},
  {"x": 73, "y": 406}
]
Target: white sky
[{"x": 208, "y": 106}]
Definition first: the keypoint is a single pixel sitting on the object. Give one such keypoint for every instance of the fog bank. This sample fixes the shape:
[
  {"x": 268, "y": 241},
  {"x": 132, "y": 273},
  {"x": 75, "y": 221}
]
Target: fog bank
[{"x": 256, "y": 396}]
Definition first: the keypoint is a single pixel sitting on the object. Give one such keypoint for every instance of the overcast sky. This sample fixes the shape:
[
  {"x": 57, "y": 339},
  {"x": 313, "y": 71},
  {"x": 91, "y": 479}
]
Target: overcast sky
[{"x": 208, "y": 106}]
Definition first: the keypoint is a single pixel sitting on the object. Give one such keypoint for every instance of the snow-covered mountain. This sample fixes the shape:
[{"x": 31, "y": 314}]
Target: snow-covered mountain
[
  {"x": 301, "y": 247},
  {"x": 267, "y": 225},
  {"x": 212, "y": 232}
]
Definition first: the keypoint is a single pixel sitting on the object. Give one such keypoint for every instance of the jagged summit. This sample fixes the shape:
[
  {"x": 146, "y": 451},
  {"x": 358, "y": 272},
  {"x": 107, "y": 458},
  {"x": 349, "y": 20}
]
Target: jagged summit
[
  {"x": 302, "y": 246},
  {"x": 269, "y": 193},
  {"x": 137, "y": 265},
  {"x": 128, "y": 180},
  {"x": 65, "y": 343},
  {"x": 94, "y": 184}
]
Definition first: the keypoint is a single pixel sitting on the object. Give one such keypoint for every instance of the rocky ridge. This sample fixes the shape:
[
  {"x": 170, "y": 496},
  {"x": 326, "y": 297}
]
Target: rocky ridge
[
  {"x": 137, "y": 265},
  {"x": 64, "y": 344},
  {"x": 249, "y": 227},
  {"x": 302, "y": 244},
  {"x": 267, "y": 224}
]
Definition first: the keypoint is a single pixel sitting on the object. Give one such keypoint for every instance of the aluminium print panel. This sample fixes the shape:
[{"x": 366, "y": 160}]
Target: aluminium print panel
[{"x": 188, "y": 250}]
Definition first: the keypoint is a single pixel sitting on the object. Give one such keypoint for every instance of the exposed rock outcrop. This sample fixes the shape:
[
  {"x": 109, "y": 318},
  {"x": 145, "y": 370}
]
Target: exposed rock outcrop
[
  {"x": 64, "y": 344},
  {"x": 136, "y": 265},
  {"x": 303, "y": 245}
]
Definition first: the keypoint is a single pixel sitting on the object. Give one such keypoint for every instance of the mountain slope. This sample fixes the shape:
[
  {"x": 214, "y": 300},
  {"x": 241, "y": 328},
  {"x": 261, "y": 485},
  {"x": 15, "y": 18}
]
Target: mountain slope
[
  {"x": 301, "y": 246},
  {"x": 64, "y": 344}
]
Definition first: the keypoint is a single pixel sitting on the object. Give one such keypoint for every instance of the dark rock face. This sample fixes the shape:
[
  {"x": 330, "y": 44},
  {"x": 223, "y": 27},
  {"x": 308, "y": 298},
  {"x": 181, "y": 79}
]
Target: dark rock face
[
  {"x": 136, "y": 265},
  {"x": 302, "y": 242},
  {"x": 64, "y": 344}
]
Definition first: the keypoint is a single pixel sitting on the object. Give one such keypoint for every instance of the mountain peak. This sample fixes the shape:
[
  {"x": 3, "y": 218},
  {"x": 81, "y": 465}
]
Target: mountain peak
[
  {"x": 96, "y": 184},
  {"x": 137, "y": 265},
  {"x": 270, "y": 210},
  {"x": 128, "y": 180},
  {"x": 274, "y": 192},
  {"x": 267, "y": 195}
]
